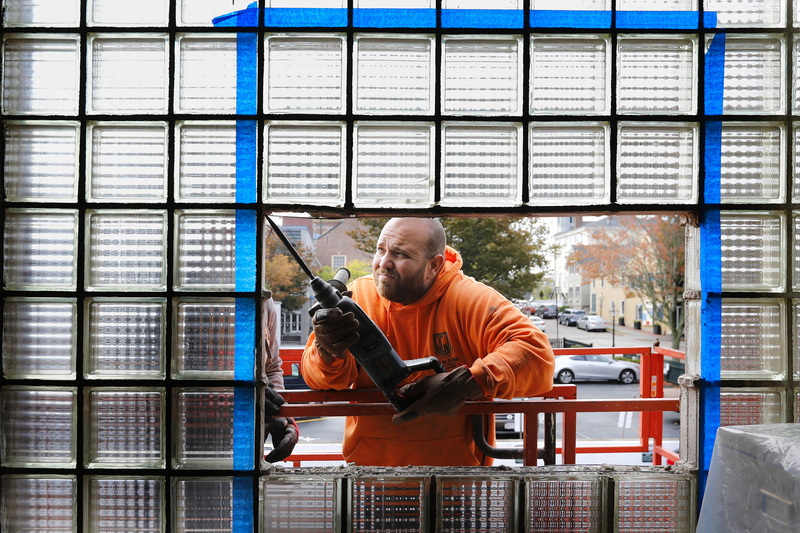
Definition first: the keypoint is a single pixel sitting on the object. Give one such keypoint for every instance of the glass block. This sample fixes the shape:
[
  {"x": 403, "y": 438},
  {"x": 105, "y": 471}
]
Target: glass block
[
  {"x": 478, "y": 4},
  {"x": 127, "y": 73},
  {"x": 752, "y": 166},
  {"x": 796, "y": 331},
  {"x": 754, "y": 79},
  {"x": 45, "y": 504},
  {"x": 40, "y": 74},
  {"x": 389, "y": 504},
  {"x": 125, "y": 428},
  {"x": 39, "y": 249},
  {"x": 305, "y": 504},
  {"x": 751, "y": 14},
  {"x": 570, "y": 74},
  {"x": 657, "y": 75},
  {"x": 38, "y": 427},
  {"x": 654, "y": 503},
  {"x": 206, "y": 250},
  {"x": 393, "y": 164},
  {"x": 307, "y": 3},
  {"x": 205, "y": 161},
  {"x": 305, "y": 74},
  {"x": 796, "y": 69},
  {"x": 205, "y": 339},
  {"x": 203, "y": 12},
  {"x": 206, "y": 80},
  {"x": 127, "y": 162},
  {"x": 126, "y": 250},
  {"x": 41, "y": 161},
  {"x": 476, "y": 504},
  {"x": 39, "y": 338},
  {"x": 205, "y": 429},
  {"x": 125, "y": 504},
  {"x": 657, "y": 5},
  {"x": 393, "y": 75},
  {"x": 752, "y": 251},
  {"x": 568, "y": 163},
  {"x": 482, "y": 165},
  {"x": 565, "y": 504},
  {"x": 305, "y": 163},
  {"x": 125, "y": 338},
  {"x": 48, "y": 13},
  {"x": 657, "y": 163},
  {"x": 116, "y": 13},
  {"x": 415, "y": 4},
  {"x": 753, "y": 340},
  {"x": 204, "y": 504},
  {"x": 482, "y": 76},
  {"x": 571, "y": 5},
  {"x": 739, "y": 407}
]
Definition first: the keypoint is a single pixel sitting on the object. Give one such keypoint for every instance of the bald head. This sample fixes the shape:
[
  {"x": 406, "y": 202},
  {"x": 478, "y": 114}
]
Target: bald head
[{"x": 409, "y": 256}]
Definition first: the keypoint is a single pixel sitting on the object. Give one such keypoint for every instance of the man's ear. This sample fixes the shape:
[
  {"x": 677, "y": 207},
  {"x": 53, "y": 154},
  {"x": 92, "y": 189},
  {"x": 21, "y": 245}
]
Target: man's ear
[{"x": 437, "y": 264}]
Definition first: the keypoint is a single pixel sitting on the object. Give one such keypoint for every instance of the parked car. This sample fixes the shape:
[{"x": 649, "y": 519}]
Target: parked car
[
  {"x": 563, "y": 316},
  {"x": 572, "y": 320},
  {"x": 547, "y": 311},
  {"x": 569, "y": 368},
  {"x": 538, "y": 322},
  {"x": 591, "y": 323}
]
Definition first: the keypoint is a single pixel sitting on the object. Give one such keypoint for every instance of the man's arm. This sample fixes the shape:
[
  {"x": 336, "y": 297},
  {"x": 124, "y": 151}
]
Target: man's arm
[{"x": 326, "y": 362}]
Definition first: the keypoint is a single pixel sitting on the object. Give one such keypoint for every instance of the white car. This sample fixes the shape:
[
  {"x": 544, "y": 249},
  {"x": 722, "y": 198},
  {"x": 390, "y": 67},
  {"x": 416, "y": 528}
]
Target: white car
[
  {"x": 538, "y": 322},
  {"x": 591, "y": 323},
  {"x": 594, "y": 367}
]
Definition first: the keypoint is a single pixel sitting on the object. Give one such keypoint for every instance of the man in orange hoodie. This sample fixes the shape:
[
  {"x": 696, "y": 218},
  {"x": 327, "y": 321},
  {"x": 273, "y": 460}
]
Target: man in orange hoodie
[{"x": 426, "y": 306}]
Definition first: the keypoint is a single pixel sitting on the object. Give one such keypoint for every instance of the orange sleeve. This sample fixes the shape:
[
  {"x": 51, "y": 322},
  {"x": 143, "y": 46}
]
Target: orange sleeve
[
  {"x": 518, "y": 360},
  {"x": 339, "y": 374}
]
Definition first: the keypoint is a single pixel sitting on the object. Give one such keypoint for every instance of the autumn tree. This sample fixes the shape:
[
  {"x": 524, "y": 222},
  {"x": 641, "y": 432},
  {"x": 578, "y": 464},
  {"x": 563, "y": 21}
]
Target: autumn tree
[
  {"x": 644, "y": 254},
  {"x": 508, "y": 254},
  {"x": 283, "y": 276}
]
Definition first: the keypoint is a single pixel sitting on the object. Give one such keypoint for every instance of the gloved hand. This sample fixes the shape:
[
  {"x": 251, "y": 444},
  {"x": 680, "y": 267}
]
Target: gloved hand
[
  {"x": 441, "y": 394},
  {"x": 272, "y": 401},
  {"x": 284, "y": 433},
  {"x": 335, "y": 332}
]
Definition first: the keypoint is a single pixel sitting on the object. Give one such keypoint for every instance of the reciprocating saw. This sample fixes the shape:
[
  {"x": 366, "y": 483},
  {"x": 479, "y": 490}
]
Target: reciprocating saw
[{"x": 373, "y": 351}]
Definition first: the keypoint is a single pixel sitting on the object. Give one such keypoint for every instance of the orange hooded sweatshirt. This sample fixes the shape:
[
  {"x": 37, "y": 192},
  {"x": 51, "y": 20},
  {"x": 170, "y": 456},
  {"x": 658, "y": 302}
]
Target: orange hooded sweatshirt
[{"x": 461, "y": 322}]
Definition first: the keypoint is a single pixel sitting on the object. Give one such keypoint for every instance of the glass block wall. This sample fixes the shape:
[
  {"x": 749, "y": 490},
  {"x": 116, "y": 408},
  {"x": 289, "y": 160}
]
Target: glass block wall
[{"x": 144, "y": 142}]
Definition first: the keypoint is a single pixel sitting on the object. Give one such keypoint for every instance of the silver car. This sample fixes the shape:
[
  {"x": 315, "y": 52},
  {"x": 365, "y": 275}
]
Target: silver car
[
  {"x": 594, "y": 367},
  {"x": 591, "y": 323}
]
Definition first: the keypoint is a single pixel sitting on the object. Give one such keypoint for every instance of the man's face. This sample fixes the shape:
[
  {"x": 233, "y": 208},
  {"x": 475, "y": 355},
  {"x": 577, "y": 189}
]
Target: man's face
[{"x": 400, "y": 267}]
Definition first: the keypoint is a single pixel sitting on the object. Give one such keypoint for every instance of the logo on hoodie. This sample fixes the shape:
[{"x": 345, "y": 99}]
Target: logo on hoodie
[{"x": 441, "y": 343}]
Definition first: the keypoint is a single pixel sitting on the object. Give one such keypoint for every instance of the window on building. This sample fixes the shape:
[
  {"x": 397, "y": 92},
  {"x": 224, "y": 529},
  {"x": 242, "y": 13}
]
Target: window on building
[{"x": 338, "y": 261}]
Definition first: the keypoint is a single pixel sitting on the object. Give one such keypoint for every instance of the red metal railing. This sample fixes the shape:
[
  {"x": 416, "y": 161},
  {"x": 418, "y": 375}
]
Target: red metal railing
[{"x": 562, "y": 399}]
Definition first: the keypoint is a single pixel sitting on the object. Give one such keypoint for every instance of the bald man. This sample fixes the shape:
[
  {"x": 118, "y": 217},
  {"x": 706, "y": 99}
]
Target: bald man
[{"x": 426, "y": 306}]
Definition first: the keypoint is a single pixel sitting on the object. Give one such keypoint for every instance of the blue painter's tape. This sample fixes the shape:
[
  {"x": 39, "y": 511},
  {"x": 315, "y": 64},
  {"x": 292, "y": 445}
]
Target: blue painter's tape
[
  {"x": 711, "y": 337},
  {"x": 570, "y": 19},
  {"x": 709, "y": 19},
  {"x": 715, "y": 75},
  {"x": 245, "y": 342},
  {"x": 394, "y": 18},
  {"x": 290, "y": 17},
  {"x": 246, "y": 73},
  {"x": 245, "y": 250},
  {"x": 247, "y": 18},
  {"x": 713, "y": 161},
  {"x": 482, "y": 18},
  {"x": 242, "y": 504},
  {"x": 246, "y": 138},
  {"x": 662, "y": 20},
  {"x": 244, "y": 428}
]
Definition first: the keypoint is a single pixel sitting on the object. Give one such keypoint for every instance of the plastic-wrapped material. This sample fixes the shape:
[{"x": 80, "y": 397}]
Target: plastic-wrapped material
[{"x": 754, "y": 480}]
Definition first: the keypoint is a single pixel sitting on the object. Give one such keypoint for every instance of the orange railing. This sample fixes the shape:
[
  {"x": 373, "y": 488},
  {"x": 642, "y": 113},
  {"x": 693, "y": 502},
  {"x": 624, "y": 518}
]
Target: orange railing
[{"x": 562, "y": 399}]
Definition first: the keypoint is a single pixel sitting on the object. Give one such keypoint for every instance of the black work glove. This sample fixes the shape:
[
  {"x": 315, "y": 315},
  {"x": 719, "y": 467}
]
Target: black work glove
[
  {"x": 334, "y": 332},
  {"x": 272, "y": 401},
  {"x": 441, "y": 394},
  {"x": 284, "y": 433}
]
